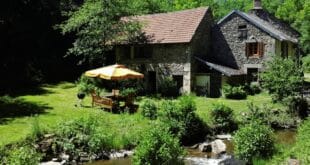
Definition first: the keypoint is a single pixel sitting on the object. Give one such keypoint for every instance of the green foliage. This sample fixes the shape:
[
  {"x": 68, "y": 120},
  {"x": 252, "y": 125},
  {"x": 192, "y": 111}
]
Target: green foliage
[
  {"x": 97, "y": 24},
  {"x": 297, "y": 106},
  {"x": 168, "y": 87},
  {"x": 129, "y": 92},
  {"x": 23, "y": 155},
  {"x": 282, "y": 78},
  {"x": 149, "y": 109},
  {"x": 222, "y": 117},
  {"x": 253, "y": 88},
  {"x": 158, "y": 146},
  {"x": 302, "y": 148},
  {"x": 232, "y": 92},
  {"x": 306, "y": 63},
  {"x": 87, "y": 85},
  {"x": 182, "y": 120},
  {"x": 137, "y": 85},
  {"x": 83, "y": 134},
  {"x": 277, "y": 118},
  {"x": 36, "y": 129},
  {"x": 252, "y": 141}
]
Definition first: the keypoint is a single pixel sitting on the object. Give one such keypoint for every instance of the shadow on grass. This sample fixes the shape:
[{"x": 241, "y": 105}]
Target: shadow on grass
[
  {"x": 11, "y": 108},
  {"x": 26, "y": 91}
]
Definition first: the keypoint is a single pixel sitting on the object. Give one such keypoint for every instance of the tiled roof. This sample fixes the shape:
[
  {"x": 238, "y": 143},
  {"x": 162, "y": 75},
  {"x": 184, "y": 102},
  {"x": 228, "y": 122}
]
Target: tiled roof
[
  {"x": 227, "y": 71},
  {"x": 263, "y": 25},
  {"x": 172, "y": 27}
]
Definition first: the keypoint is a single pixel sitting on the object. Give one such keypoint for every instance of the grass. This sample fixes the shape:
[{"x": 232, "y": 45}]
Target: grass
[
  {"x": 204, "y": 105},
  {"x": 59, "y": 105},
  {"x": 55, "y": 103}
]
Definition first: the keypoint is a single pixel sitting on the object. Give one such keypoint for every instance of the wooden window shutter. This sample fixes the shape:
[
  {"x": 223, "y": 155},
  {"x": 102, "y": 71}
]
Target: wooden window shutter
[
  {"x": 247, "y": 49},
  {"x": 261, "y": 49}
]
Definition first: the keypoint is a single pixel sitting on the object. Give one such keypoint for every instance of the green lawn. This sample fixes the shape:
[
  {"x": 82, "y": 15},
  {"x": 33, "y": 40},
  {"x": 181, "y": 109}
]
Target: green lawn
[{"x": 55, "y": 103}]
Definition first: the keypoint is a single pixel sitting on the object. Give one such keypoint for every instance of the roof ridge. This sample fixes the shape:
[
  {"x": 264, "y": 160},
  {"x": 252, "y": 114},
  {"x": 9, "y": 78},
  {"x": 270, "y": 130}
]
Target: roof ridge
[
  {"x": 255, "y": 21},
  {"x": 172, "y": 12}
]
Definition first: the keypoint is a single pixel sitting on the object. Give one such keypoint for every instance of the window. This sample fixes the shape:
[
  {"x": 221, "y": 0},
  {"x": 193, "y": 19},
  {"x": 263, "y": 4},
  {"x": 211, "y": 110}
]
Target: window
[
  {"x": 255, "y": 49},
  {"x": 252, "y": 74},
  {"x": 284, "y": 49},
  {"x": 144, "y": 51},
  {"x": 243, "y": 32}
]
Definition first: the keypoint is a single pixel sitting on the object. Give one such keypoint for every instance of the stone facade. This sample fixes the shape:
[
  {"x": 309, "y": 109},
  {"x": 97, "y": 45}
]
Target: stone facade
[
  {"x": 171, "y": 59},
  {"x": 235, "y": 47},
  {"x": 166, "y": 60}
]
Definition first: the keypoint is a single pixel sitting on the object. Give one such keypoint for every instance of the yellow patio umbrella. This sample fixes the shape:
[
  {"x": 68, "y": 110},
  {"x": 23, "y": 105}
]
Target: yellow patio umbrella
[{"x": 114, "y": 72}]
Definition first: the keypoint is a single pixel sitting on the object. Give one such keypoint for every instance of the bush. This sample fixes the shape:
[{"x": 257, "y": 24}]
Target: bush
[
  {"x": 277, "y": 118},
  {"x": 84, "y": 134},
  {"x": 253, "y": 88},
  {"x": 87, "y": 85},
  {"x": 306, "y": 63},
  {"x": 23, "y": 155},
  {"x": 231, "y": 92},
  {"x": 182, "y": 120},
  {"x": 128, "y": 92},
  {"x": 254, "y": 140},
  {"x": 157, "y": 146},
  {"x": 282, "y": 78},
  {"x": 168, "y": 87},
  {"x": 149, "y": 109},
  {"x": 297, "y": 106},
  {"x": 223, "y": 118},
  {"x": 136, "y": 85}
]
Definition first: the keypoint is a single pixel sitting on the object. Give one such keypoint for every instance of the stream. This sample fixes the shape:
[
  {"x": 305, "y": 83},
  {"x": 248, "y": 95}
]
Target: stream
[{"x": 195, "y": 157}]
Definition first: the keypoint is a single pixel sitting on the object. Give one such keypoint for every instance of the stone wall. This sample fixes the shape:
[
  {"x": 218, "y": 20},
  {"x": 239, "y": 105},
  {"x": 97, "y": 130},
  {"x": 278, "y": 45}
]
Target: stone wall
[
  {"x": 231, "y": 49},
  {"x": 166, "y": 60},
  {"x": 201, "y": 44}
]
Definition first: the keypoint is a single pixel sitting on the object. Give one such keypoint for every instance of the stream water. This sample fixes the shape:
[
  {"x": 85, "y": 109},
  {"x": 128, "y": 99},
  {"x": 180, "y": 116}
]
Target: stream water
[{"x": 195, "y": 157}]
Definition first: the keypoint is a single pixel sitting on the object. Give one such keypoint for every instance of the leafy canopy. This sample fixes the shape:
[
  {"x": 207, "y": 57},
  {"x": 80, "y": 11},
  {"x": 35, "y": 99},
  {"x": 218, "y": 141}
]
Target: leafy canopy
[
  {"x": 282, "y": 78},
  {"x": 97, "y": 26}
]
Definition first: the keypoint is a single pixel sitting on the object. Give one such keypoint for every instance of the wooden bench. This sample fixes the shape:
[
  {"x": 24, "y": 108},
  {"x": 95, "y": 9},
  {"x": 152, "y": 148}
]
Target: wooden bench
[{"x": 102, "y": 101}]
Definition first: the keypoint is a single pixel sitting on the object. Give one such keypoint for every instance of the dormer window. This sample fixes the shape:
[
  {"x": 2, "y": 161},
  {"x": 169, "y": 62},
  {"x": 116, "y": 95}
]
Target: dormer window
[{"x": 243, "y": 31}]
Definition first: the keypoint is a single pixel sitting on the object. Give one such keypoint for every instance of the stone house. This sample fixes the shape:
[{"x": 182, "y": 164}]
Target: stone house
[
  {"x": 172, "y": 41},
  {"x": 241, "y": 42},
  {"x": 202, "y": 56}
]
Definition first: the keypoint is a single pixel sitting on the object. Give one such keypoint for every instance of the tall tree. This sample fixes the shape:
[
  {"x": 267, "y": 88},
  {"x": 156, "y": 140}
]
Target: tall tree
[{"x": 98, "y": 26}]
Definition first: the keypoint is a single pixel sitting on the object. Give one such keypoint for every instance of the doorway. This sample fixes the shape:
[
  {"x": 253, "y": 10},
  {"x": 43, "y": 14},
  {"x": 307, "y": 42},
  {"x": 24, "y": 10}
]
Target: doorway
[{"x": 152, "y": 81}]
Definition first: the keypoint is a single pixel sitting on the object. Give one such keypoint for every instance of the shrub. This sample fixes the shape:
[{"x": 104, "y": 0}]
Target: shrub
[
  {"x": 168, "y": 87},
  {"x": 149, "y": 109},
  {"x": 223, "y": 118},
  {"x": 282, "y": 78},
  {"x": 157, "y": 146},
  {"x": 306, "y": 63},
  {"x": 128, "y": 92},
  {"x": 277, "y": 118},
  {"x": 23, "y": 155},
  {"x": 297, "y": 106},
  {"x": 253, "y": 141},
  {"x": 182, "y": 120},
  {"x": 136, "y": 85},
  {"x": 231, "y": 92},
  {"x": 172, "y": 116},
  {"x": 253, "y": 88},
  {"x": 84, "y": 134},
  {"x": 87, "y": 85}
]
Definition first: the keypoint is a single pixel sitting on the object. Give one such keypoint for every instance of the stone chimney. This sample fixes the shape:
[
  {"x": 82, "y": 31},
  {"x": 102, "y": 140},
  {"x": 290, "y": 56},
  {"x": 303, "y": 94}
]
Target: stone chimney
[{"x": 257, "y": 4}]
